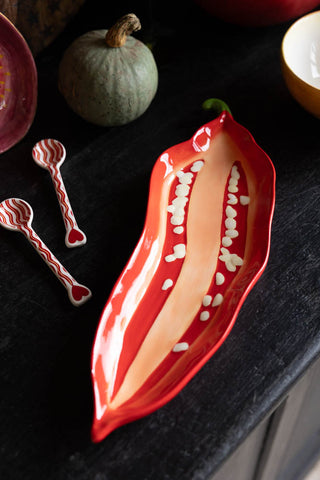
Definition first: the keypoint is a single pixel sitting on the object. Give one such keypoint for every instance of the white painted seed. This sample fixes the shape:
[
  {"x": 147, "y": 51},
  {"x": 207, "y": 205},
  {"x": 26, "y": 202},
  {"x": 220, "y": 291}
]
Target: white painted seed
[
  {"x": 235, "y": 173},
  {"x": 231, "y": 260},
  {"x": 167, "y": 284},
  {"x": 182, "y": 190},
  {"x": 230, "y": 266},
  {"x": 175, "y": 220},
  {"x": 226, "y": 241},
  {"x": 232, "y": 199},
  {"x": 244, "y": 200},
  {"x": 196, "y": 167},
  {"x": 217, "y": 300},
  {"x": 177, "y": 207},
  {"x": 180, "y": 347},
  {"x": 232, "y": 188},
  {"x": 236, "y": 260},
  {"x": 178, "y": 211},
  {"x": 204, "y": 316},
  {"x": 180, "y": 202},
  {"x": 178, "y": 230},
  {"x": 230, "y": 223},
  {"x": 179, "y": 251},
  {"x": 231, "y": 212},
  {"x": 180, "y": 173},
  {"x": 232, "y": 233},
  {"x": 186, "y": 178},
  {"x": 233, "y": 181},
  {"x": 219, "y": 278},
  {"x": 207, "y": 299}
]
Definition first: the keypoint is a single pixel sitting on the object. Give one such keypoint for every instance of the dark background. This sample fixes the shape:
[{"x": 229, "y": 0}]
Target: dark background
[{"x": 46, "y": 402}]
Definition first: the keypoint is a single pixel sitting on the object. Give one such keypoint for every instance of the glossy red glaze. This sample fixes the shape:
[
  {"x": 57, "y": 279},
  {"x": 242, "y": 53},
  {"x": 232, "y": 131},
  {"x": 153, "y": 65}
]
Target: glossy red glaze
[
  {"x": 18, "y": 85},
  {"x": 134, "y": 308},
  {"x": 255, "y": 13}
]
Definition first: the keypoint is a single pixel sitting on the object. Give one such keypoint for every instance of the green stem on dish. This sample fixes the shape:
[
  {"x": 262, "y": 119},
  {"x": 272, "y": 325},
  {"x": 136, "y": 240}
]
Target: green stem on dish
[{"x": 217, "y": 105}]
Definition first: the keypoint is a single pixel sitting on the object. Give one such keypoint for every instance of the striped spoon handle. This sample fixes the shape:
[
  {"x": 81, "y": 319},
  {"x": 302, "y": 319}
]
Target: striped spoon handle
[
  {"x": 78, "y": 294},
  {"x": 74, "y": 236}
]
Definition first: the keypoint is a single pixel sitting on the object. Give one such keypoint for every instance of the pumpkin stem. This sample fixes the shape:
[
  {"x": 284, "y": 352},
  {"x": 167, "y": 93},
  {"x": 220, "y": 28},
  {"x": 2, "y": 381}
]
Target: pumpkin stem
[{"x": 116, "y": 36}]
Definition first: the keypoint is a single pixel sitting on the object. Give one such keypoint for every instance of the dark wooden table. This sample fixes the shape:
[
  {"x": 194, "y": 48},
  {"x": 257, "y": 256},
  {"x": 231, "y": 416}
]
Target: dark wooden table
[{"x": 250, "y": 395}]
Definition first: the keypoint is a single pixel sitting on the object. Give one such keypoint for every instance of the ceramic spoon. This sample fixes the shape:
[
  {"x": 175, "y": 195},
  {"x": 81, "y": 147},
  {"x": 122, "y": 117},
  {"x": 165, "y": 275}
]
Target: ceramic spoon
[
  {"x": 17, "y": 215},
  {"x": 50, "y": 154}
]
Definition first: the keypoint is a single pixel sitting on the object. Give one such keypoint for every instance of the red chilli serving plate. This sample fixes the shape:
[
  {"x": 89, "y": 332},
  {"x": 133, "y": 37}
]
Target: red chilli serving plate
[
  {"x": 204, "y": 245},
  {"x": 18, "y": 85}
]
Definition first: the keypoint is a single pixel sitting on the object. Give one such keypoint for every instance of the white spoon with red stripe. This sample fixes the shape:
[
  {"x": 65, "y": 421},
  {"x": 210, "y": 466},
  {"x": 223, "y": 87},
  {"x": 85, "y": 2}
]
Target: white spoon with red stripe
[
  {"x": 17, "y": 215},
  {"x": 50, "y": 154}
]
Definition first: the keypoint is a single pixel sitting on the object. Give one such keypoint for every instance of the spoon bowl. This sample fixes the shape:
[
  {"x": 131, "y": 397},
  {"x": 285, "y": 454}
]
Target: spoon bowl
[
  {"x": 15, "y": 214},
  {"x": 49, "y": 153},
  {"x": 300, "y": 61}
]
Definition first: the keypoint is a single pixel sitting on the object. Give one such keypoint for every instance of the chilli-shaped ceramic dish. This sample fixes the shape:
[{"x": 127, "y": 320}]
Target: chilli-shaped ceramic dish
[
  {"x": 204, "y": 245},
  {"x": 18, "y": 85}
]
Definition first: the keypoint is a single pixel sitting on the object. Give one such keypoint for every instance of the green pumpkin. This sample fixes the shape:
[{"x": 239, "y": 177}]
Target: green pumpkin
[{"x": 107, "y": 76}]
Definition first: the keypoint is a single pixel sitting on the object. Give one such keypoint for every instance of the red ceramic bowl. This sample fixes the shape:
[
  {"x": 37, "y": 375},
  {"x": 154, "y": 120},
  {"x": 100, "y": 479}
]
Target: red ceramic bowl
[{"x": 18, "y": 85}]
